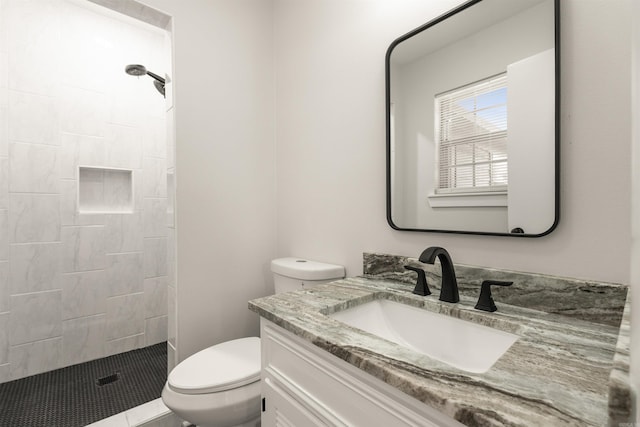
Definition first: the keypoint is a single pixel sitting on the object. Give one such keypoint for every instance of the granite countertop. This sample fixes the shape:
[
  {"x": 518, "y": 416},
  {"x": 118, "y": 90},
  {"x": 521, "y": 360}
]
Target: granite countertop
[{"x": 557, "y": 373}]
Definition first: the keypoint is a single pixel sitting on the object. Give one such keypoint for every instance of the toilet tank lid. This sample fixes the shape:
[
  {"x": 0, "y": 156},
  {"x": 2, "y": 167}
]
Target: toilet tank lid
[
  {"x": 221, "y": 367},
  {"x": 299, "y": 268}
]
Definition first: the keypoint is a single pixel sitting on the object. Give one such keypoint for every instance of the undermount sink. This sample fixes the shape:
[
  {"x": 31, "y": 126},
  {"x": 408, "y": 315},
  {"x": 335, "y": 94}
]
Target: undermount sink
[{"x": 459, "y": 343}]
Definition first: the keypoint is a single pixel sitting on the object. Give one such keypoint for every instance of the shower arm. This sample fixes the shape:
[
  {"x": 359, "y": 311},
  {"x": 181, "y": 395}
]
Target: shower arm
[{"x": 155, "y": 76}]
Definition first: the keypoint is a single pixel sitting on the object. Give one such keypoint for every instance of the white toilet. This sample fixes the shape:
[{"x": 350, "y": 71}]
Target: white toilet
[{"x": 220, "y": 385}]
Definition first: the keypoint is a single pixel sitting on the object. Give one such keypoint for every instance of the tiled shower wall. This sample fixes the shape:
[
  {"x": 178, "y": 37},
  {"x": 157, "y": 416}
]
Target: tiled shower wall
[{"x": 74, "y": 286}]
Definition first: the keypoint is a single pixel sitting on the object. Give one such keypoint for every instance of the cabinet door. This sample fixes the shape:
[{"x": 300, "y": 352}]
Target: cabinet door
[
  {"x": 282, "y": 410},
  {"x": 330, "y": 392}
]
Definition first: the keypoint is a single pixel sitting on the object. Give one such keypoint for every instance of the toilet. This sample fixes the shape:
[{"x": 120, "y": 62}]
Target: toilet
[{"x": 220, "y": 385}]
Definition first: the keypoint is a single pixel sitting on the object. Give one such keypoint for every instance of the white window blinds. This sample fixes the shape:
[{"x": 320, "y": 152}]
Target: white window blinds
[{"x": 471, "y": 127}]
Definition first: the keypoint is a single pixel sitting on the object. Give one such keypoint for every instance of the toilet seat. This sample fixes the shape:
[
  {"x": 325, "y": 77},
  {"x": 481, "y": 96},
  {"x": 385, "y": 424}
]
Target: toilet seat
[{"x": 221, "y": 367}]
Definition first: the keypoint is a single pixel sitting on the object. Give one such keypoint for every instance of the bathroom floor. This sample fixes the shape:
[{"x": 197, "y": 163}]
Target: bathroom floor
[{"x": 81, "y": 394}]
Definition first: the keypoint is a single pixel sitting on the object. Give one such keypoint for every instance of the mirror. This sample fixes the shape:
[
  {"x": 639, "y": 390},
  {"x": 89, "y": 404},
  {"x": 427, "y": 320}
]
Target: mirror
[{"x": 472, "y": 121}]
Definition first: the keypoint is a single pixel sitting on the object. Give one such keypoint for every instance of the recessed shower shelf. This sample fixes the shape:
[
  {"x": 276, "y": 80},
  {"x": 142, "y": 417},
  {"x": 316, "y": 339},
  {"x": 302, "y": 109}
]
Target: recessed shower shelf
[{"x": 105, "y": 190}]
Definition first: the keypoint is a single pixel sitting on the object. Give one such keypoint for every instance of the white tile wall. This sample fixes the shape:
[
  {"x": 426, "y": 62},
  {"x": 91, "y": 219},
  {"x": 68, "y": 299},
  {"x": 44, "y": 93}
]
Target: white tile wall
[
  {"x": 154, "y": 138},
  {"x": 35, "y": 357},
  {"x": 123, "y": 112},
  {"x": 33, "y": 32},
  {"x": 4, "y": 338},
  {"x": 4, "y": 180},
  {"x": 125, "y": 273},
  {"x": 84, "y": 294},
  {"x": 121, "y": 345},
  {"x": 171, "y": 201},
  {"x": 137, "y": 189},
  {"x": 155, "y": 330},
  {"x": 5, "y": 373},
  {"x": 33, "y": 118},
  {"x": 4, "y": 234},
  {"x": 155, "y": 297},
  {"x": 4, "y": 78},
  {"x": 171, "y": 256},
  {"x": 172, "y": 311},
  {"x": 69, "y": 210},
  {"x": 4, "y": 125},
  {"x": 4, "y": 286},
  {"x": 34, "y": 218},
  {"x": 78, "y": 286},
  {"x": 155, "y": 257},
  {"x": 83, "y": 338},
  {"x": 34, "y": 317},
  {"x": 33, "y": 168},
  {"x": 124, "y": 233},
  {"x": 4, "y": 114},
  {"x": 5, "y": 367},
  {"x": 83, "y": 248},
  {"x": 80, "y": 150},
  {"x": 124, "y": 146},
  {"x": 87, "y": 59},
  {"x": 155, "y": 217},
  {"x": 4, "y": 196},
  {"x": 154, "y": 177},
  {"x": 35, "y": 267},
  {"x": 170, "y": 140},
  {"x": 125, "y": 316},
  {"x": 83, "y": 112},
  {"x": 118, "y": 190}
]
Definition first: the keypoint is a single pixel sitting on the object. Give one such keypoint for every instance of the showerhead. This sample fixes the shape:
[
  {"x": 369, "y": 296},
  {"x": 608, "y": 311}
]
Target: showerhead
[
  {"x": 141, "y": 70},
  {"x": 135, "y": 70},
  {"x": 159, "y": 86}
]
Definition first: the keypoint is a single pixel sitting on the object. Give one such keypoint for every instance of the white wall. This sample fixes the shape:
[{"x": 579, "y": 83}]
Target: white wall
[
  {"x": 331, "y": 144},
  {"x": 76, "y": 286},
  {"x": 225, "y": 165}
]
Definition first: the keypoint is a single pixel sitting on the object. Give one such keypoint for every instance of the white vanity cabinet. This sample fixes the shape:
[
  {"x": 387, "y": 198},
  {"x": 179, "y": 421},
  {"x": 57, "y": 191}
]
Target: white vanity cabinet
[{"x": 303, "y": 385}]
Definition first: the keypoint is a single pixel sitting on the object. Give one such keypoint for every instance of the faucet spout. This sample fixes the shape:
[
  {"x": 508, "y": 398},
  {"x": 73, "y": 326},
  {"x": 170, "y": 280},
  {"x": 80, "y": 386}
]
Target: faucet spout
[{"x": 449, "y": 288}]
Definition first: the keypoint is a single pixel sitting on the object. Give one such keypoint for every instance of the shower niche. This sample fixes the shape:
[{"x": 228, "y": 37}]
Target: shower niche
[{"x": 105, "y": 190}]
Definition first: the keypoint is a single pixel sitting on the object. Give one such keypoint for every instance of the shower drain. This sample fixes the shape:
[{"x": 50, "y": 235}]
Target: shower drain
[{"x": 108, "y": 379}]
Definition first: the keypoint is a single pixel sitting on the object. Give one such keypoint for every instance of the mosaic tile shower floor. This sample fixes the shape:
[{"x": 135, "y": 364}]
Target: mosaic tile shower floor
[{"x": 82, "y": 394}]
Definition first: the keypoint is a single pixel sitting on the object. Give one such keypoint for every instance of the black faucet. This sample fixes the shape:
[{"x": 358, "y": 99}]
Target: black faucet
[
  {"x": 449, "y": 288},
  {"x": 485, "y": 301},
  {"x": 421, "y": 284}
]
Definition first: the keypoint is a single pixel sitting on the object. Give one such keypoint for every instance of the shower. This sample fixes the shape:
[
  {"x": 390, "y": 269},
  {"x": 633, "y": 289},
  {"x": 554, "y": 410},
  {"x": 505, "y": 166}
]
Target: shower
[
  {"x": 141, "y": 70},
  {"x": 85, "y": 287}
]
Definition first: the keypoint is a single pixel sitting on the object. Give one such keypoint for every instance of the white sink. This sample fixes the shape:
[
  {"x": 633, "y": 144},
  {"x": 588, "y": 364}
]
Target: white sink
[{"x": 459, "y": 343}]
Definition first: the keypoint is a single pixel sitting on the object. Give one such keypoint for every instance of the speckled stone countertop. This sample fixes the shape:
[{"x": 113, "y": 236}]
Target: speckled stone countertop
[{"x": 559, "y": 372}]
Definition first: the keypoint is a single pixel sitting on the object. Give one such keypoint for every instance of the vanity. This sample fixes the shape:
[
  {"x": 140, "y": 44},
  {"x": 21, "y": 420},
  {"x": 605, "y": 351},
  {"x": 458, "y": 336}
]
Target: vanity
[{"x": 568, "y": 365}]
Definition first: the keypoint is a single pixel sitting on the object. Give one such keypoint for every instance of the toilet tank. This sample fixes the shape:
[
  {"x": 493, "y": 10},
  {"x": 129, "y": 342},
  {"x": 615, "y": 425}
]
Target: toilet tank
[{"x": 292, "y": 274}]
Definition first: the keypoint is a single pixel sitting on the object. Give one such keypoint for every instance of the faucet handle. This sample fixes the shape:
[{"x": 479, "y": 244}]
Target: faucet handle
[
  {"x": 421, "y": 284},
  {"x": 485, "y": 302}
]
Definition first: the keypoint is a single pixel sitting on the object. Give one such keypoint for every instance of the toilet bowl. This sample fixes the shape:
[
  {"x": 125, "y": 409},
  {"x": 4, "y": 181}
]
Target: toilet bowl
[{"x": 220, "y": 385}]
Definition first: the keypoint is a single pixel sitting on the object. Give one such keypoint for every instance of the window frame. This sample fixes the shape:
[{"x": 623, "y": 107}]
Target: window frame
[{"x": 476, "y": 141}]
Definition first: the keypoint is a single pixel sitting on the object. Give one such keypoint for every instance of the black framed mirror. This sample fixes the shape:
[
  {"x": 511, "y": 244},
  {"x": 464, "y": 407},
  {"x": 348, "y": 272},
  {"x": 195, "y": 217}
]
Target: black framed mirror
[{"x": 472, "y": 103}]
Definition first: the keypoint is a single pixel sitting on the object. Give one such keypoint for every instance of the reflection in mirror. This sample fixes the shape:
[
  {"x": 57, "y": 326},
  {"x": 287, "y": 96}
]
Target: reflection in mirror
[{"x": 472, "y": 121}]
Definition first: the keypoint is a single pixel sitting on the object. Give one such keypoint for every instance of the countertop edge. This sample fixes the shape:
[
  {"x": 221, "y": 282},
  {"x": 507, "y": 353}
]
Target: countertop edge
[{"x": 620, "y": 392}]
